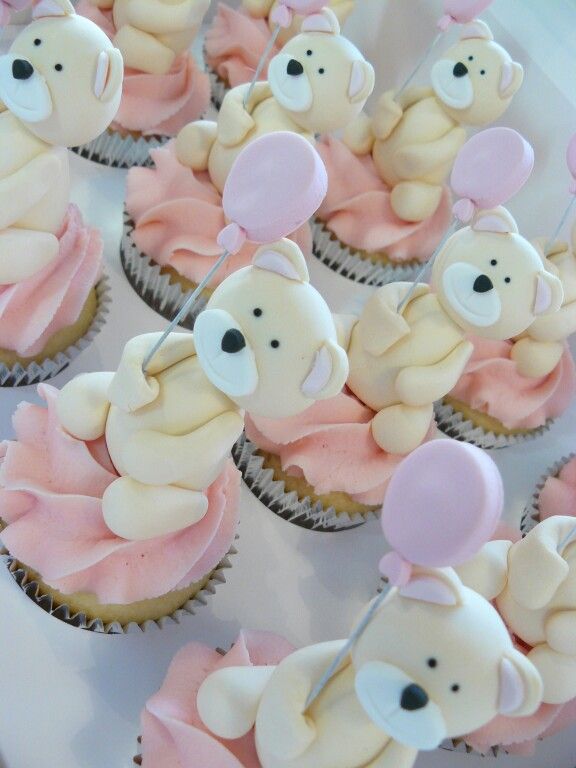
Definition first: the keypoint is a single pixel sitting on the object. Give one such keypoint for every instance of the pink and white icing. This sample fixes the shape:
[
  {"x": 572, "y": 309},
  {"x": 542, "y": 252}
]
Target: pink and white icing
[
  {"x": 357, "y": 209},
  {"x": 491, "y": 384},
  {"x": 51, "y": 488},
  {"x": 35, "y": 309},
  {"x": 558, "y": 497},
  {"x": 178, "y": 216},
  {"x": 173, "y": 736},
  {"x": 331, "y": 446},
  {"x": 156, "y": 104}
]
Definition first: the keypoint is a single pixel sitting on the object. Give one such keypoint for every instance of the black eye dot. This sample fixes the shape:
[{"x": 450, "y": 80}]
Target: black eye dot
[
  {"x": 455, "y": 688},
  {"x": 482, "y": 71},
  {"x": 494, "y": 262},
  {"x": 432, "y": 663},
  {"x": 321, "y": 70},
  {"x": 308, "y": 52},
  {"x": 275, "y": 343},
  {"x": 37, "y": 41},
  {"x": 257, "y": 312},
  {"x": 470, "y": 58},
  {"x": 507, "y": 280},
  {"x": 58, "y": 67}
]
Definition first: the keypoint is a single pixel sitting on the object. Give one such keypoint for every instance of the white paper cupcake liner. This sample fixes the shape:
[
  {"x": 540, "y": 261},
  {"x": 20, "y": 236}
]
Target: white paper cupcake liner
[
  {"x": 352, "y": 264},
  {"x": 153, "y": 286},
  {"x": 33, "y": 590},
  {"x": 117, "y": 151},
  {"x": 35, "y": 373},
  {"x": 531, "y": 516},
  {"x": 455, "y": 425},
  {"x": 460, "y": 746},
  {"x": 303, "y": 512},
  {"x": 218, "y": 86}
]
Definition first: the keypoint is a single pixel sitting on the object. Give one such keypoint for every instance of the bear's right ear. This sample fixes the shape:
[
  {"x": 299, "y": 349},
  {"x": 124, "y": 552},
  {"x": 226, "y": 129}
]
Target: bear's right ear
[
  {"x": 323, "y": 21},
  {"x": 476, "y": 30},
  {"x": 521, "y": 686},
  {"x": 498, "y": 220},
  {"x": 109, "y": 75},
  {"x": 53, "y": 8},
  {"x": 328, "y": 373},
  {"x": 439, "y": 587},
  {"x": 362, "y": 79},
  {"x": 284, "y": 258},
  {"x": 549, "y": 294}
]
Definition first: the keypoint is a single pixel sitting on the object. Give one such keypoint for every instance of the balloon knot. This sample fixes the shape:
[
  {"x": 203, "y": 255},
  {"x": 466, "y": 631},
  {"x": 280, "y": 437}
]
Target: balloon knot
[
  {"x": 445, "y": 22},
  {"x": 282, "y": 16},
  {"x": 231, "y": 238},
  {"x": 396, "y": 569},
  {"x": 464, "y": 210}
]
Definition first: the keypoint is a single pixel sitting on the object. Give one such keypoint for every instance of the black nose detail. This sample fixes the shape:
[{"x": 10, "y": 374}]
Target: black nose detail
[
  {"x": 413, "y": 697},
  {"x": 483, "y": 284},
  {"x": 294, "y": 68},
  {"x": 22, "y": 69},
  {"x": 460, "y": 70},
  {"x": 233, "y": 341}
]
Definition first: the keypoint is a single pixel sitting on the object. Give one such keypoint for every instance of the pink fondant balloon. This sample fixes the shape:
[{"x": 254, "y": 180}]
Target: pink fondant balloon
[
  {"x": 462, "y": 11},
  {"x": 275, "y": 185},
  {"x": 284, "y": 11},
  {"x": 442, "y": 505}
]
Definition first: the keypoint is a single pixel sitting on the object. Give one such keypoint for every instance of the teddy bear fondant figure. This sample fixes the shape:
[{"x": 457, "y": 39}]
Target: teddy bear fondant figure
[
  {"x": 60, "y": 84},
  {"x": 487, "y": 281},
  {"x": 318, "y": 82},
  {"x": 262, "y": 9},
  {"x": 414, "y": 140},
  {"x": 152, "y": 33},
  {"x": 399, "y": 690},
  {"x": 266, "y": 343},
  {"x": 534, "y": 584}
]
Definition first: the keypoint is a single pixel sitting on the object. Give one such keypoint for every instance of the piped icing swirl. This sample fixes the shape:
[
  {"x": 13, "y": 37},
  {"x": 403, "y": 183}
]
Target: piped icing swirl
[{"x": 558, "y": 497}]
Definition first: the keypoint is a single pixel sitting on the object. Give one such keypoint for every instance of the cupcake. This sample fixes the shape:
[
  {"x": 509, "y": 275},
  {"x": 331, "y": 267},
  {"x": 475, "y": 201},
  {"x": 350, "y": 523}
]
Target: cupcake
[
  {"x": 66, "y": 558},
  {"x": 236, "y": 40},
  {"x": 555, "y": 494},
  {"x": 158, "y": 99},
  {"x": 172, "y": 731}
]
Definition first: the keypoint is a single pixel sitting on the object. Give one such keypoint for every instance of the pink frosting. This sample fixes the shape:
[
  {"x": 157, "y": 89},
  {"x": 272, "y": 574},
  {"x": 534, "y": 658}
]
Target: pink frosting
[
  {"x": 331, "y": 445},
  {"x": 491, "y": 384},
  {"x": 51, "y": 488},
  {"x": 173, "y": 736},
  {"x": 234, "y": 44},
  {"x": 558, "y": 497},
  {"x": 35, "y": 309},
  {"x": 156, "y": 104},
  {"x": 357, "y": 209},
  {"x": 178, "y": 216}
]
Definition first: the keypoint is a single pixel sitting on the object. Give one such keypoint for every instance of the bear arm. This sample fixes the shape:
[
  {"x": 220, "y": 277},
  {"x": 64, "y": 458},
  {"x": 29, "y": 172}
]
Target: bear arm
[
  {"x": 387, "y": 115},
  {"x": 345, "y": 324},
  {"x": 413, "y": 95},
  {"x": 417, "y": 160},
  {"x": 381, "y": 325},
  {"x": 83, "y": 405},
  {"x": 487, "y": 572},
  {"x": 234, "y": 120},
  {"x": 535, "y": 359},
  {"x": 423, "y": 384},
  {"x": 259, "y": 9},
  {"x": 395, "y": 755},
  {"x": 284, "y": 729},
  {"x": 27, "y": 186},
  {"x": 556, "y": 327},
  {"x": 359, "y": 136},
  {"x": 104, "y": 5},
  {"x": 160, "y": 18}
]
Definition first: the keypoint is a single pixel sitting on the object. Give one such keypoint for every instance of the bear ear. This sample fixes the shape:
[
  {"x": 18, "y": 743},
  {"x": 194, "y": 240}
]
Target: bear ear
[
  {"x": 324, "y": 21},
  {"x": 521, "y": 686},
  {"x": 362, "y": 79},
  {"x": 439, "y": 587},
  {"x": 328, "y": 373},
  {"x": 498, "y": 220},
  {"x": 285, "y": 258},
  {"x": 511, "y": 79},
  {"x": 53, "y": 8},
  {"x": 549, "y": 293},
  {"x": 476, "y": 30},
  {"x": 109, "y": 74}
]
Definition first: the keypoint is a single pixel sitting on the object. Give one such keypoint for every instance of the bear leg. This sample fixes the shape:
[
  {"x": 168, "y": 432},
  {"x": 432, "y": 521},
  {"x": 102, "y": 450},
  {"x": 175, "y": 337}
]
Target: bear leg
[
  {"x": 24, "y": 252},
  {"x": 415, "y": 200},
  {"x": 194, "y": 144},
  {"x": 558, "y": 672},
  {"x": 402, "y": 428},
  {"x": 143, "y": 51}
]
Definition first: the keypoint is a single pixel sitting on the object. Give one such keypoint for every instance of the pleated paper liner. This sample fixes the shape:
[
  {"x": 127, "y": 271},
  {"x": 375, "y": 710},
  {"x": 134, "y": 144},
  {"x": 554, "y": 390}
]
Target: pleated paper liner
[
  {"x": 19, "y": 375},
  {"x": 460, "y": 746},
  {"x": 531, "y": 516},
  {"x": 288, "y": 505},
  {"x": 26, "y": 581},
  {"x": 357, "y": 265},
  {"x": 218, "y": 86},
  {"x": 121, "y": 150},
  {"x": 153, "y": 283},
  {"x": 454, "y": 424}
]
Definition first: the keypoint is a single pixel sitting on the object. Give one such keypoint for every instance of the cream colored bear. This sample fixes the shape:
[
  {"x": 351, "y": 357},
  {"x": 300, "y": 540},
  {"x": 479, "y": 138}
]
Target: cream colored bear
[
  {"x": 261, "y": 9},
  {"x": 318, "y": 82},
  {"x": 266, "y": 343},
  {"x": 61, "y": 84},
  {"x": 151, "y": 33},
  {"x": 534, "y": 584},
  {"x": 414, "y": 141},
  {"x": 436, "y": 661},
  {"x": 488, "y": 281}
]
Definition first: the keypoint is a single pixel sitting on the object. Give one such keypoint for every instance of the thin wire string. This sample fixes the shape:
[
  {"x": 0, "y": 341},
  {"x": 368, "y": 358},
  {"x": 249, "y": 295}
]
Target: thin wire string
[
  {"x": 261, "y": 64},
  {"x": 421, "y": 63}
]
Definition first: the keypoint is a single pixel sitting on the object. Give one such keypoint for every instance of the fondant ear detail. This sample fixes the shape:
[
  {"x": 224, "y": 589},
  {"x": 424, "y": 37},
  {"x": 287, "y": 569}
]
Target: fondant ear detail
[
  {"x": 476, "y": 30},
  {"x": 362, "y": 81},
  {"x": 520, "y": 686},
  {"x": 284, "y": 258},
  {"x": 53, "y": 8},
  {"x": 324, "y": 21},
  {"x": 511, "y": 79},
  {"x": 109, "y": 75},
  {"x": 431, "y": 589},
  {"x": 328, "y": 373},
  {"x": 499, "y": 220},
  {"x": 549, "y": 294}
]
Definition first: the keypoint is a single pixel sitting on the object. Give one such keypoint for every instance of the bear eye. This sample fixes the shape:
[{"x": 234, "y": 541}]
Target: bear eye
[
  {"x": 455, "y": 688},
  {"x": 275, "y": 343},
  {"x": 257, "y": 312},
  {"x": 321, "y": 70},
  {"x": 432, "y": 663},
  {"x": 308, "y": 52},
  {"x": 494, "y": 262},
  {"x": 507, "y": 279},
  {"x": 470, "y": 58},
  {"x": 58, "y": 67},
  {"x": 37, "y": 41},
  {"x": 482, "y": 71}
]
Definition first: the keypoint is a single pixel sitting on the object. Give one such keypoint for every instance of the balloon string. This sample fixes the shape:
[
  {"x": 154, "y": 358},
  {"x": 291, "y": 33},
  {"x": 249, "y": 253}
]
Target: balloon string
[
  {"x": 186, "y": 307},
  {"x": 421, "y": 63},
  {"x": 429, "y": 264},
  {"x": 261, "y": 63},
  {"x": 358, "y": 632},
  {"x": 567, "y": 540},
  {"x": 560, "y": 226}
]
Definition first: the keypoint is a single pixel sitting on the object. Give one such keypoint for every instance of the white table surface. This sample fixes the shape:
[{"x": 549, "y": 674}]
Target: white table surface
[{"x": 70, "y": 698}]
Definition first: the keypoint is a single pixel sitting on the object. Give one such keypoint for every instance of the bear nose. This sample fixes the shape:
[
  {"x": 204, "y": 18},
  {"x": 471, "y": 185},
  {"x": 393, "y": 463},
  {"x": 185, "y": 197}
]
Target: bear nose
[
  {"x": 413, "y": 697},
  {"x": 483, "y": 284},
  {"x": 233, "y": 341},
  {"x": 22, "y": 69},
  {"x": 294, "y": 68},
  {"x": 460, "y": 70}
]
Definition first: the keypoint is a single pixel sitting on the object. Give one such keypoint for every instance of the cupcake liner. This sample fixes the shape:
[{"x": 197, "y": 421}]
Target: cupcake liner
[
  {"x": 218, "y": 86},
  {"x": 33, "y": 590},
  {"x": 34, "y": 373},
  {"x": 303, "y": 512},
  {"x": 455, "y": 425},
  {"x": 531, "y": 516},
  {"x": 116, "y": 151},
  {"x": 460, "y": 746},
  {"x": 153, "y": 286},
  {"x": 352, "y": 264}
]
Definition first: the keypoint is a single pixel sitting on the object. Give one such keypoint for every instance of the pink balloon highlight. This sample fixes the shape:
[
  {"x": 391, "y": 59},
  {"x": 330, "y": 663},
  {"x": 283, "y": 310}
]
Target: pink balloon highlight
[
  {"x": 442, "y": 505},
  {"x": 276, "y": 184},
  {"x": 461, "y": 11}
]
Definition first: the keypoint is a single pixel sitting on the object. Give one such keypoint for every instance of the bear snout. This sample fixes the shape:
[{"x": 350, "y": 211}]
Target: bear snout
[
  {"x": 22, "y": 69},
  {"x": 413, "y": 697},
  {"x": 233, "y": 341},
  {"x": 460, "y": 70},
  {"x": 294, "y": 68},
  {"x": 483, "y": 284}
]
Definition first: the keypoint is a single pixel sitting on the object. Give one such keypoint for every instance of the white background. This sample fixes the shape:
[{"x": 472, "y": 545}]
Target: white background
[{"x": 71, "y": 699}]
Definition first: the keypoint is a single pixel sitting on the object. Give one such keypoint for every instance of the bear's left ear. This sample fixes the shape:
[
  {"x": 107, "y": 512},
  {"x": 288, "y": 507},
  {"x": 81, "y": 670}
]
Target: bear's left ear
[
  {"x": 511, "y": 79},
  {"x": 498, "y": 220},
  {"x": 284, "y": 258},
  {"x": 549, "y": 293},
  {"x": 323, "y": 21},
  {"x": 476, "y": 30},
  {"x": 109, "y": 74},
  {"x": 439, "y": 587},
  {"x": 520, "y": 686},
  {"x": 328, "y": 373},
  {"x": 53, "y": 8},
  {"x": 362, "y": 79}
]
